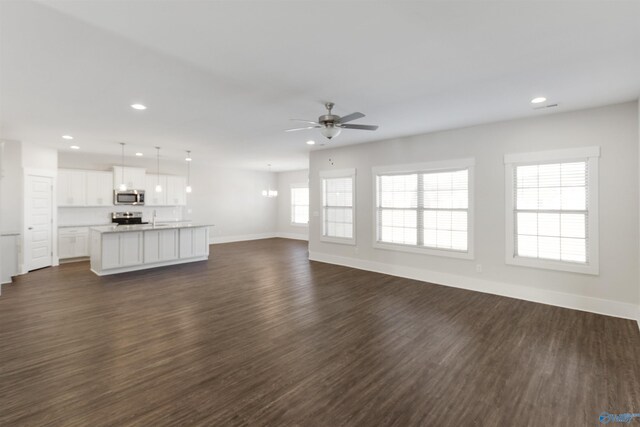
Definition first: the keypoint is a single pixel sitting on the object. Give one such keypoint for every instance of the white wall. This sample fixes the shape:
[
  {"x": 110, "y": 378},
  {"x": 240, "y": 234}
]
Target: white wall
[
  {"x": 284, "y": 226},
  {"x": 35, "y": 156},
  {"x": 10, "y": 207},
  {"x": 613, "y": 128},
  {"x": 229, "y": 198},
  {"x": 11, "y": 188},
  {"x": 232, "y": 199}
]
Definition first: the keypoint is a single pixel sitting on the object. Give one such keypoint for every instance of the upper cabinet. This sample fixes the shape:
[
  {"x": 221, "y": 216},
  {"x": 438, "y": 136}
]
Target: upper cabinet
[
  {"x": 99, "y": 192},
  {"x": 72, "y": 187},
  {"x": 95, "y": 188},
  {"x": 173, "y": 190},
  {"x": 134, "y": 178},
  {"x": 151, "y": 197},
  {"x": 84, "y": 188},
  {"x": 176, "y": 190}
]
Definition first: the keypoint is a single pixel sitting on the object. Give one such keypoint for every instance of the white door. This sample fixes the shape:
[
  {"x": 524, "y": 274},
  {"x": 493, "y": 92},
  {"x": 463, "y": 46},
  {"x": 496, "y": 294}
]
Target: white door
[{"x": 39, "y": 217}]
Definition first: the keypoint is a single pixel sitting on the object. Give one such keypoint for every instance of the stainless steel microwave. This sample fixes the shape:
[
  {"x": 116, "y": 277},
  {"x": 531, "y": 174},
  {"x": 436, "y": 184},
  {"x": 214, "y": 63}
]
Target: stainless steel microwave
[{"x": 128, "y": 197}]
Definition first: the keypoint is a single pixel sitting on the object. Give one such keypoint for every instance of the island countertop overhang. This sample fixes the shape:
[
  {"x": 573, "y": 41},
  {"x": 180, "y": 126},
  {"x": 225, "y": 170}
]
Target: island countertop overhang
[{"x": 146, "y": 227}]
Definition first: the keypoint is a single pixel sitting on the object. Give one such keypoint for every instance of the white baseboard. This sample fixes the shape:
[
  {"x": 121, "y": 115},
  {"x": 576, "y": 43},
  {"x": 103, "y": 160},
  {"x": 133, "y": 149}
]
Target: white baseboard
[
  {"x": 241, "y": 237},
  {"x": 294, "y": 236},
  {"x": 560, "y": 299},
  {"x": 259, "y": 236}
]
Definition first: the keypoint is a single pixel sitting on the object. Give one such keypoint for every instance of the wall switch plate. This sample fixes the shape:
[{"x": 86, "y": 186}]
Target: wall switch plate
[{"x": 478, "y": 268}]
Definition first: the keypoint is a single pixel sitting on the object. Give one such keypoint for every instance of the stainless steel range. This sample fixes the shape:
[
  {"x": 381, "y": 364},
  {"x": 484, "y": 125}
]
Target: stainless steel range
[{"x": 127, "y": 218}]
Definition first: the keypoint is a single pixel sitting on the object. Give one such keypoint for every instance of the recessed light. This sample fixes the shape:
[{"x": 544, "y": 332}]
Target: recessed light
[
  {"x": 310, "y": 142},
  {"x": 138, "y": 107},
  {"x": 74, "y": 147},
  {"x": 139, "y": 154},
  {"x": 67, "y": 137},
  {"x": 538, "y": 100},
  {"x": 188, "y": 159}
]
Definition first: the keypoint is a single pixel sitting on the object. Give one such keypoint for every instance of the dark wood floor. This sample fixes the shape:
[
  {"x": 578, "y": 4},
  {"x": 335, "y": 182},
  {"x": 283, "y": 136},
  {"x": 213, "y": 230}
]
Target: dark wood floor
[{"x": 258, "y": 335}]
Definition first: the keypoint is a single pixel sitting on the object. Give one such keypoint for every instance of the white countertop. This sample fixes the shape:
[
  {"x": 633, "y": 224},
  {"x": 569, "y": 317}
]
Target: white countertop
[
  {"x": 147, "y": 227},
  {"x": 85, "y": 225}
]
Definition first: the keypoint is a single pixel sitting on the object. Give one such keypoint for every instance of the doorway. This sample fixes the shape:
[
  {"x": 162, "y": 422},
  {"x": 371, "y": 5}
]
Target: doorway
[{"x": 38, "y": 241}]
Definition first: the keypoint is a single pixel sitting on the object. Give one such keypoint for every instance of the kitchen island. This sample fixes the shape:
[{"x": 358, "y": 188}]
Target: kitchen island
[{"x": 122, "y": 248}]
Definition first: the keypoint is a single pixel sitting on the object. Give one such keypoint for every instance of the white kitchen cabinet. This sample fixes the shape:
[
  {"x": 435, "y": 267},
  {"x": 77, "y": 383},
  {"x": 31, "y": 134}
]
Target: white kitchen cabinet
[
  {"x": 73, "y": 242},
  {"x": 160, "y": 245},
  {"x": 176, "y": 190},
  {"x": 151, "y": 197},
  {"x": 84, "y": 188},
  {"x": 114, "y": 251},
  {"x": 72, "y": 187},
  {"x": 131, "y": 249},
  {"x": 122, "y": 249},
  {"x": 99, "y": 188},
  {"x": 110, "y": 250},
  {"x": 173, "y": 190},
  {"x": 194, "y": 242},
  {"x": 134, "y": 178}
]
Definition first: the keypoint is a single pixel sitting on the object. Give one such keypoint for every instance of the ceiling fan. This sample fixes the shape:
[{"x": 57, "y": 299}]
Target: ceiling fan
[{"x": 331, "y": 125}]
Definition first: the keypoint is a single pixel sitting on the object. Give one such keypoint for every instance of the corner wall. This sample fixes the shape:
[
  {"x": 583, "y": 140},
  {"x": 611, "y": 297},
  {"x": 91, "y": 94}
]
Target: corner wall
[{"x": 614, "y": 128}]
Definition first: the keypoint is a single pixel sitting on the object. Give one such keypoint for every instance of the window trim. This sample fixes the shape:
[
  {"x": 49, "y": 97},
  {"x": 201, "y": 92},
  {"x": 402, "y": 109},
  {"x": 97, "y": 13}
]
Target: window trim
[
  {"x": 591, "y": 155},
  {"x": 338, "y": 173},
  {"x": 428, "y": 167},
  {"x": 291, "y": 187}
]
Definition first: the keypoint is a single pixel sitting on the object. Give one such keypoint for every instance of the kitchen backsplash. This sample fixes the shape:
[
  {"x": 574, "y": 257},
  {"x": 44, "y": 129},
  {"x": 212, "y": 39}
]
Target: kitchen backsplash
[{"x": 73, "y": 216}]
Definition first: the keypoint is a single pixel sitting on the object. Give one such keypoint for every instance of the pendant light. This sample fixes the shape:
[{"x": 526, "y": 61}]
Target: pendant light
[
  {"x": 122, "y": 186},
  {"x": 269, "y": 192},
  {"x": 158, "y": 186},
  {"x": 188, "y": 159}
]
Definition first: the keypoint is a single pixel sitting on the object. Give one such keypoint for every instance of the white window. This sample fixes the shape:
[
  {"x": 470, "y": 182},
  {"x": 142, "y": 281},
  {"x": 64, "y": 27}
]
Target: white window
[
  {"x": 552, "y": 209},
  {"x": 425, "y": 208},
  {"x": 338, "y": 201},
  {"x": 299, "y": 204}
]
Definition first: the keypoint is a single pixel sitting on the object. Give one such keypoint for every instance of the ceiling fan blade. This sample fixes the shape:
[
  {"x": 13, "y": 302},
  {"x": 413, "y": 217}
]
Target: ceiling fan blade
[
  {"x": 360, "y": 127},
  {"x": 310, "y": 127},
  {"x": 350, "y": 117},
  {"x": 305, "y": 121}
]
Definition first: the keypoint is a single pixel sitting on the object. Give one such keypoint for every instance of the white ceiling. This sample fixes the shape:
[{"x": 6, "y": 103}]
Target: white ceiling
[{"x": 223, "y": 78}]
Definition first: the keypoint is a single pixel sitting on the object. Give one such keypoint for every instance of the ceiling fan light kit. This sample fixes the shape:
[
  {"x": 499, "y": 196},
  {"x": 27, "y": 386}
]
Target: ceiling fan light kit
[{"x": 331, "y": 125}]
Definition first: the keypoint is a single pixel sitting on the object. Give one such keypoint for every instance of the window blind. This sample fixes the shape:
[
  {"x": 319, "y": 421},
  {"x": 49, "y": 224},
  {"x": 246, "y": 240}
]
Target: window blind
[
  {"x": 300, "y": 205},
  {"x": 337, "y": 205},
  {"x": 424, "y": 209},
  {"x": 551, "y": 211}
]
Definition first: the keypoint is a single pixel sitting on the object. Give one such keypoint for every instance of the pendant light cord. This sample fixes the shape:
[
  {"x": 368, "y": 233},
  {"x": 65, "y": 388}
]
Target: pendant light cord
[
  {"x": 158, "y": 165},
  {"x": 122, "y": 164},
  {"x": 188, "y": 168}
]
